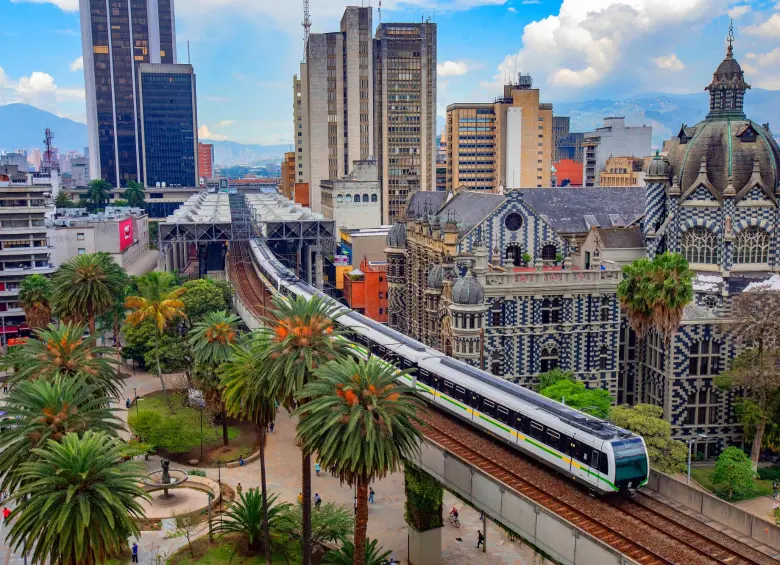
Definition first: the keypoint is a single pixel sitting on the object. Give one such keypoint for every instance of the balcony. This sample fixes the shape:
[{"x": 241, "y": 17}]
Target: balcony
[
  {"x": 553, "y": 281},
  {"x": 30, "y": 250}
]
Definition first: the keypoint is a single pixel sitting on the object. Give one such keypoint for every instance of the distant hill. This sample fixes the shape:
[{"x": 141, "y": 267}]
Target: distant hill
[
  {"x": 228, "y": 153},
  {"x": 23, "y": 126}
]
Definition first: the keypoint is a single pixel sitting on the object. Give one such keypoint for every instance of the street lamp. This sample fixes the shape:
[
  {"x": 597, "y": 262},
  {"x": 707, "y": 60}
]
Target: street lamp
[
  {"x": 201, "y": 432},
  {"x": 690, "y": 446},
  {"x": 135, "y": 394}
]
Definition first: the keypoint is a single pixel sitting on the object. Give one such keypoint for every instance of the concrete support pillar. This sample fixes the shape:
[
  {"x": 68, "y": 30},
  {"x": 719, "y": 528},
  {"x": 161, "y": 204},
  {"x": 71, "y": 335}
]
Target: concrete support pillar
[
  {"x": 175, "y": 254},
  {"x": 307, "y": 267},
  {"x": 318, "y": 269},
  {"x": 424, "y": 547}
]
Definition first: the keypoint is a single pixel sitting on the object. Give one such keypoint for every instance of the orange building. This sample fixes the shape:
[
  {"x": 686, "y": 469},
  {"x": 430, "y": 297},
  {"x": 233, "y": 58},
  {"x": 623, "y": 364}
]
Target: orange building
[
  {"x": 301, "y": 194},
  {"x": 568, "y": 169},
  {"x": 287, "y": 182},
  {"x": 365, "y": 289},
  {"x": 205, "y": 161}
]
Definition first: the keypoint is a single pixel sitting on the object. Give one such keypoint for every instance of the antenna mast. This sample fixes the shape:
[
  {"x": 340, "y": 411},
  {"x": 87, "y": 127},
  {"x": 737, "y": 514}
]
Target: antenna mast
[
  {"x": 306, "y": 27},
  {"x": 48, "y": 154},
  {"x": 380, "y": 12}
]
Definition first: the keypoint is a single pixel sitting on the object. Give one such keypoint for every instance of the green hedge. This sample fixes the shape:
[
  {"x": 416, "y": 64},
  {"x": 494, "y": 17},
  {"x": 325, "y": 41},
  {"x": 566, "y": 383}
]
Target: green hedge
[
  {"x": 769, "y": 473},
  {"x": 424, "y": 500}
]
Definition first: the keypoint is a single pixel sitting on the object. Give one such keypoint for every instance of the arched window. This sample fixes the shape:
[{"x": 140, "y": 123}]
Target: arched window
[
  {"x": 551, "y": 310},
  {"x": 704, "y": 358},
  {"x": 514, "y": 253},
  {"x": 549, "y": 252},
  {"x": 700, "y": 245},
  {"x": 495, "y": 363},
  {"x": 365, "y": 198},
  {"x": 348, "y": 198},
  {"x": 603, "y": 358},
  {"x": 374, "y": 198},
  {"x": 751, "y": 246},
  {"x": 339, "y": 199},
  {"x": 549, "y": 359}
]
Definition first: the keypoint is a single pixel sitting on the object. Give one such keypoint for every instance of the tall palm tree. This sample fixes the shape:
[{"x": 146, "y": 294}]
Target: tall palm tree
[
  {"x": 653, "y": 294},
  {"x": 35, "y": 298},
  {"x": 301, "y": 336},
  {"x": 247, "y": 393},
  {"x": 86, "y": 286},
  {"x": 63, "y": 352},
  {"x": 63, "y": 200},
  {"x": 361, "y": 422},
  {"x": 211, "y": 341},
  {"x": 134, "y": 194},
  {"x": 98, "y": 192},
  {"x": 79, "y": 503},
  {"x": 44, "y": 410},
  {"x": 160, "y": 301},
  {"x": 243, "y": 517}
]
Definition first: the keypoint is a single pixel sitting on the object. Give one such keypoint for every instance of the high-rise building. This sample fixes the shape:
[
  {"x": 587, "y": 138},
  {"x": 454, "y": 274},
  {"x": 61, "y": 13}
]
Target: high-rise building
[
  {"x": 507, "y": 142},
  {"x": 333, "y": 102},
  {"x": 613, "y": 138},
  {"x": 35, "y": 158},
  {"x": 566, "y": 144},
  {"x": 404, "y": 112},
  {"x": 116, "y": 38},
  {"x": 169, "y": 124},
  {"x": 287, "y": 178},
  {"x": 205, "y": 161}
]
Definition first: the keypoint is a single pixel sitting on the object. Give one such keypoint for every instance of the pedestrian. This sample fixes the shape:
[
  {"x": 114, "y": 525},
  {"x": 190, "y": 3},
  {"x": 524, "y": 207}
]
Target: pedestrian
[
  {"x": 272, "y": 427},
  {"x": 6, "y": 514},
  {"x": 333, "y": 469},
  {"x": 354, "y": 504},
  {"x": 317, "y": 469},
  {"x": 371, "y": 495},
  {"x": 240, "y": 460},
  {"x": 5, "y": 388},
  {"x": 480, "y": 538},
  {"x": 135, "y": 553},
  {"x": 300, "y": 498},
  {"x": 775, "y": 487},
  {"x": 239, "y": 489},
  {"x": 481, "y": 516},
  {"x": 128, "y": 404},
  {"x": 317, "y": 500}
]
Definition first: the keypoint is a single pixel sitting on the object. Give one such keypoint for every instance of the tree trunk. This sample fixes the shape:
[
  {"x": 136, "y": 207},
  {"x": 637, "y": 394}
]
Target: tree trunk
[
  {"x": 755, "y": 450},
  {"x": 159, "y": 372},
  {"x": 92, "y": 326},
  {"x": 264, "y": 489},
  {"x": 361, "y": 522},
  {"x": 306, "y": 545},
  {"x": 224, "y": 426}
]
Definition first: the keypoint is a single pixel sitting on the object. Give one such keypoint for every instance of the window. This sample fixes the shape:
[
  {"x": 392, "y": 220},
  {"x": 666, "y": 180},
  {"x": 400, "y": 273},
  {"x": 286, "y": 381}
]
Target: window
[
  {"x": 751, "y": 246},
  {"x": 496, "y": 314},
  {"x": 348, "y": 199},
  {"x": 703, "y": 407},
  {"x": 513, "y": 221},
  {"x": 551, "y": 310},
  {"x": 704, "y": 358},
  {"x": 514, "y": 253},
  {"x": 495, "y": 363},
  {"x": 700, "y": 245},
  {"x": 603, "y": 358},
  {"x": 82, "y": 251},
  {"x": 80, "y": 236},
  {"x": 339, "y": 199},
  {"x": 549, "y": 359},
  {"x": 549, "y": 252},
  {"x": 374, "y": 198},
  {"x": 553, "y": 439},
  {"x": 605, "y": 309},
  {"x": 655, "y": 352},
  {"x": 365, "y": 198},
  {"x": 537, "y": 430}
]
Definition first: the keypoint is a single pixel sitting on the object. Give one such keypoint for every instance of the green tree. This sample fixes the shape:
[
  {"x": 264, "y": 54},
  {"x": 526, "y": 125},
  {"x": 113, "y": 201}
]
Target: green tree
[
  {"x": 98, "y": 193},
  {"x": 551, "y": 377},
  {"x": 226, "y": 287},
  {"x": 734, "y": 470},
  {"x": 35, "y": 298},
  {"x": 300, "y": 336},
  {"x": 361, "y": 422},
  {"x": 79, "y": 503},
  {"x": 135, "y": 195},
  {"x": 666, "y": 454},
  {"x": 244, "y": 517},
  {"x": 331, "y": 523},
  {"x": 160, "y": 302},
  {"x": 653, "y": 294},
  {"x": 86, "y": 287},
  {"x": 576, "y": 395},
  {"x": 174, "y": 355},
  {"x": 63, "y": 352},
  {"x": 202, "y": 297},
  {"x": 63, "y": 200},
  {"x": 211, "y": 341},
  {"x": 154, "y": 234},
  {"x": 347, "y": 554},
  {"x": 44, "y": 410}
]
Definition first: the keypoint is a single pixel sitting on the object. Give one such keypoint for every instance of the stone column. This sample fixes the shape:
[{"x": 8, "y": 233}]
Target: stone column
[
  {"x": 424, "y": 547},
  {"x": 307, "y": 267},
  {"x": 318, "y": 269}
]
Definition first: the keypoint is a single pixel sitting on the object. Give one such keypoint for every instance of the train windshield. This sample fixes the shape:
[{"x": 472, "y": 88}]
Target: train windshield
[{"x": 630, "y": 460}]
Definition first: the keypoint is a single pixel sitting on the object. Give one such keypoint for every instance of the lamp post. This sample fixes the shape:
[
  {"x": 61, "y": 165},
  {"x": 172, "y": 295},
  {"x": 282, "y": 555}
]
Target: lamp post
[
  {"x": 135, "y": 395},
  {"x": 690, "y": 446},
  {"x": 201, "y": 432}
]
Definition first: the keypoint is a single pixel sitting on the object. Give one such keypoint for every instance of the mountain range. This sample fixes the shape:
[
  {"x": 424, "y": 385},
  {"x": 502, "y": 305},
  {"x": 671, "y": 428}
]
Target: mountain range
[{"x": 22, "y": 126}]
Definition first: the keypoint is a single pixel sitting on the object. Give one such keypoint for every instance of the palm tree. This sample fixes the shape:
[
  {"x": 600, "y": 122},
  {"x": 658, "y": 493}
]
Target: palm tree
[
  {"x": 247, "y": 393},
  {"x": 35, "y": 298},
  {"x": 345, "y": 555},
  {"x": 160, "y": 302},
  {"x": 98, "y": 192},
  {"x": 64, "y": 352},
  {"x": 300, "y": 337},
  {"x": 79, "y": 503},
  {"x": 244, "y": 517},
  {"x": 44, "y": 410},
  {"x": 361, "y": 422},
  {"x": 212, "y": 341},
  {"x": 87, "y": 286},
  {"x": 63, "y": 200},
  {"x": 135, "y": 195},
  {"x": 653, "y": 294}
]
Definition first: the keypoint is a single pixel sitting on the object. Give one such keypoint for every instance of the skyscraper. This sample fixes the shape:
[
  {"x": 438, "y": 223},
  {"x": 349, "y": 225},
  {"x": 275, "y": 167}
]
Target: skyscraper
[
  {"x": 404, "y": 112},
  {"x": 116, "y": 37}
]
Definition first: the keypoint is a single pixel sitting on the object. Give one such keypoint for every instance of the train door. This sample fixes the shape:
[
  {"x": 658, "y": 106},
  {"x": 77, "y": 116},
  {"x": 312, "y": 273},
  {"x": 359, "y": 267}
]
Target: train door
[{"x": 572, "y": 450}]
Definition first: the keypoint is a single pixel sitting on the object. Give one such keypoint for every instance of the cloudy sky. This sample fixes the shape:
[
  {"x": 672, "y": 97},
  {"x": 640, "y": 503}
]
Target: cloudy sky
[{"x": 246, "y": 51}]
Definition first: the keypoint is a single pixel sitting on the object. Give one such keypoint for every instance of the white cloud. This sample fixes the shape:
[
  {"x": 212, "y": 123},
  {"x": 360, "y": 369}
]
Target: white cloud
[
  {"x": 452, "y": 68},
  {"x": 531, "y": 2},
  {"x": 739, "y": 11},
  {"x": 669, "y": 63},
  {"x": 39, "y": 90},
  {"x": 226, "y": 123},
  {"x": 205, "y": 133},
  {"x": 769, "y": 28},
  {"x": 77, "y": 65},
  {"x": 768, "y": 59},
  {"x": 512, "y": 9},
  {"x": 67, "y": 5}
]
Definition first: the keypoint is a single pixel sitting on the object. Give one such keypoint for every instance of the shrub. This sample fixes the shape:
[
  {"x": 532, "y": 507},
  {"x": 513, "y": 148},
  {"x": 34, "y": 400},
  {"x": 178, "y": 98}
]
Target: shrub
[
  {"x": 144, "y": 423},
  {"x": 196, "y": 473},
  {"x": 769, "y": 473}
]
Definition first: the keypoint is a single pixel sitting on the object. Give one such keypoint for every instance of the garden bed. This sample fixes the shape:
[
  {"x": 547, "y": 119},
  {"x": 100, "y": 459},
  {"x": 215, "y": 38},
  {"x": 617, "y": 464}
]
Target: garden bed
[
  {"x": 702, "y": 473},
  {"x": 220, "y": 552}
]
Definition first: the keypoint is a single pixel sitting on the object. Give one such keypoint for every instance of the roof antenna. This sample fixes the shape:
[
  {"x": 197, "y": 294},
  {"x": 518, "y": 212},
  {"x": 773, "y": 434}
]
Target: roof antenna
[
  {"x": 188, "y": 53},
  {"x": 380, "y": 12}
]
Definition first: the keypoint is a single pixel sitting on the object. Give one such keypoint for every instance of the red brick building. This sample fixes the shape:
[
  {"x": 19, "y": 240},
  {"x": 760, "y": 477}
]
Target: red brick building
[
  {"x": 205, "y": 161},
  {"x": 567, "y": 169},
  {"x": 365, "y": 289}
]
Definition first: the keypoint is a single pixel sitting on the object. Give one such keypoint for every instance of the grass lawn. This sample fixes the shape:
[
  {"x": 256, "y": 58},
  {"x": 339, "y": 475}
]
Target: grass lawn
[
  {"x": 222, "y": 549},
  {"x": 701, "y": 474}
]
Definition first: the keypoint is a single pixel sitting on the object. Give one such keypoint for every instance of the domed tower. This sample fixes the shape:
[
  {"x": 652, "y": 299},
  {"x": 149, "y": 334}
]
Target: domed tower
[
  {"x": 467, "y": 312},
  {"x": 434, "y": 286},
  {"x": 396, "y": 277},
  {"x": 720, "y": 182}
]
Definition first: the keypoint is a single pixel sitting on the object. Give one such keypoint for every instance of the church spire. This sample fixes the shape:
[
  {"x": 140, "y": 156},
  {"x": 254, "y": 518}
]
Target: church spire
[
  {"x": 730, "y": 39},
  {"x": 728, "y": 86}
]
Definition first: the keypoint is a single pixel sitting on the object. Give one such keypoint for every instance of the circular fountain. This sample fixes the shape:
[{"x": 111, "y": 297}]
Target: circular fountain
[{"x": 165, "y": 479}]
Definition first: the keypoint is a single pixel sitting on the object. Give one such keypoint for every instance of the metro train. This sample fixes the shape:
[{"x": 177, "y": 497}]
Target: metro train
[{"x": 593, "y": 452}]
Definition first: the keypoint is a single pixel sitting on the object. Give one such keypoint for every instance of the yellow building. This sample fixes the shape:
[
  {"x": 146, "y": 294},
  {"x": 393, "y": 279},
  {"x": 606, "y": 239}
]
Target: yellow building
[
  {"x": 287, "y": 183},
  {"x": 624, "y": 171},
  {"x": 507, "y": 143}
]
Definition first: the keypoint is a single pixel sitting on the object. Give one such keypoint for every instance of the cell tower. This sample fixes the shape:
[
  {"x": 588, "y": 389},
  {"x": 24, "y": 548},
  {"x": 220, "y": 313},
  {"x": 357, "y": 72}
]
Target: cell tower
[
  {"x": 380, "y": 12},
  {"x": 306, "y": 27},
  {"x": 48, "y": 155}
]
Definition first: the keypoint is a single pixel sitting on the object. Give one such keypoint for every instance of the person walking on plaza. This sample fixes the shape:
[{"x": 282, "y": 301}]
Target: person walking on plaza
[
  {"x": 317, "y": 500},
  {"x": 271, "y": 426},
  {"x": 239, "y": 489},
  {"x": 300, "y": 498},
  {"x": 135, "y": 553},
  {"x": 775, "y": 487},
  {"x": 480, "y": 538},
  {"x": 371, "y": 495},
  {"x": 240, "y": 460},
  {"x": 317, "y": 469}
]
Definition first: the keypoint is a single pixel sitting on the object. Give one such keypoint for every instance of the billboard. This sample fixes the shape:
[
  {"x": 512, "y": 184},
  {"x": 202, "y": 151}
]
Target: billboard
[{"x": 125, "y": 234}]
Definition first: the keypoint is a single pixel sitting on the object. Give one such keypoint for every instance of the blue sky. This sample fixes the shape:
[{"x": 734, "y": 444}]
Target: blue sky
[{"x": 246, "y": 51}]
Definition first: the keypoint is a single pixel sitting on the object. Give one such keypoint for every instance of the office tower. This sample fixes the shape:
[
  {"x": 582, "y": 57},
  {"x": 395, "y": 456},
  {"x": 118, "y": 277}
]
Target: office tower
[
  {"x": 616, "y": 139},
  {"x": 566, "y": 144},
  {"x": 205, "y": 161},
  {"x": 507, "y": 142},
  {"x": 301, "y": 125},
  {"x": 404, "y": 112},
  {"x": 169, "y": 124},
  {"x": 335, "y": 93},
  {"x": 117, "y": 37}
]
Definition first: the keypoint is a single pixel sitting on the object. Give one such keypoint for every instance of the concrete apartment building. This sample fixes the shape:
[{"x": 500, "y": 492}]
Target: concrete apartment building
[
  {"x": 287, "y": 178},
  {"x": 505, "y": 143},
  {"x": 404, "y": 112},
  {"x": 25, "y": 201},
  {"x": 205, "y": 162},
  {"x": 301, "y": 125},
  {"x": 614, "y": 138},
  {"x": 354, "y": 201}
]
